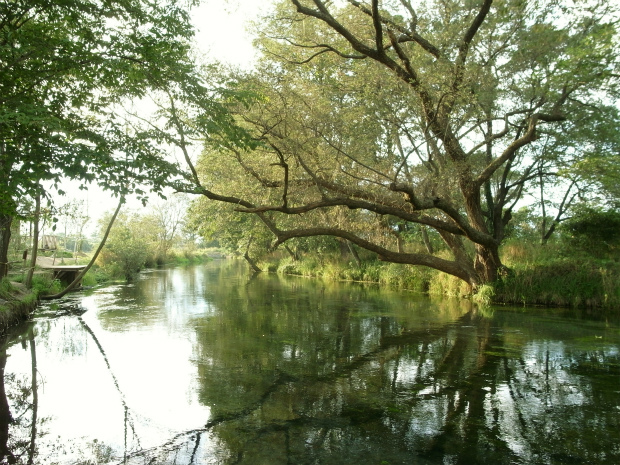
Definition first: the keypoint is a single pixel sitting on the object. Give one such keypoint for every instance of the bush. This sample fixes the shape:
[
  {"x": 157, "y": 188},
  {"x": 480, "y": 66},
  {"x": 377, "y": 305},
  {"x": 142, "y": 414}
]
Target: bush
[
  {"x": 563, "y": 282},
  {"x": 594, "y": 231},
  {"x": 45, "y": 284}
]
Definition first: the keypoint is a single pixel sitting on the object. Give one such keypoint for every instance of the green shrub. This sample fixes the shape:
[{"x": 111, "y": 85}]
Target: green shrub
[
  {"x": 6, "y": 289},
  {"x": 45, "y": 284},
  {"x": 124, "y": 254},
  {"x": 448, "y": 285},
  {"x": 563, "y": 282},
  {"x": 484, "y": 295},
  {"x": 594, "y": 231}
]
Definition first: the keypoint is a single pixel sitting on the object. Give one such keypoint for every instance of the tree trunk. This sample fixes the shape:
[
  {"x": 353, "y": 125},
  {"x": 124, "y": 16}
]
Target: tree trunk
[
  {"x": 35, "y": 242},
  {"x": 487, "y": 264},
  {"x": 354, "y": 253},
  {"x": 252, "y": 263},
  {"x": 427, "y": 241},
  {"x": 248, "y": 259},
  {"x": 291, "y": 253},
  {"x": 5, "y": 238},
  {"x": 81, "y": 274}
]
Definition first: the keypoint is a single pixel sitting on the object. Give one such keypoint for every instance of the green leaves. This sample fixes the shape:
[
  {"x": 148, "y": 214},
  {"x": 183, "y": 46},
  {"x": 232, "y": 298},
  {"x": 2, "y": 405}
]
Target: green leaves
[{"x": 65, "y": 69}]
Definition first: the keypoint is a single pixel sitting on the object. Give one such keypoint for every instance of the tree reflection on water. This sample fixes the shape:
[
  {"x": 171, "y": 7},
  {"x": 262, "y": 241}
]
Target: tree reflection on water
[{"x": 303, "y": 372}]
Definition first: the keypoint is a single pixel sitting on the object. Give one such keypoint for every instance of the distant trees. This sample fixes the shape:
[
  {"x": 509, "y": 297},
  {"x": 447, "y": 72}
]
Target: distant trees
[
  {"x": 594, "y": 230},
  {"x": 434, "y": 115},
  {"x": 143, "y": 239},
  {"x": 126, "y": 249}
]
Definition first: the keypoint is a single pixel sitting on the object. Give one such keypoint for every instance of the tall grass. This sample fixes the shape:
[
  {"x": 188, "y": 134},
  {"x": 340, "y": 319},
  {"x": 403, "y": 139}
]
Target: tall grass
[
  {"x": 551, "y": 275},
  {"x": 16, "y": 303},
  {"x": 333, "y": 267},
  {"x": 547, "y": 275}
]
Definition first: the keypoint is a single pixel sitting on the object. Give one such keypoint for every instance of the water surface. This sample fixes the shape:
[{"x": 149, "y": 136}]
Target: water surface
[{"x": 213, "y": 365}]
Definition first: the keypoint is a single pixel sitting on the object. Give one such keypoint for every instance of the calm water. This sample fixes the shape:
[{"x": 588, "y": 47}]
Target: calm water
[{"x": 210, "y": 365}]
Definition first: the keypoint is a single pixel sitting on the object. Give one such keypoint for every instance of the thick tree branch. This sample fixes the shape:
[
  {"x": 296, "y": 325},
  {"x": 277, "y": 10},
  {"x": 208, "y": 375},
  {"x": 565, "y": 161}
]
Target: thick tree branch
[
  {"x": 446, "y": 266},
  {"x": 525, "y": 139},
  {"x": 408, "y": 34}
]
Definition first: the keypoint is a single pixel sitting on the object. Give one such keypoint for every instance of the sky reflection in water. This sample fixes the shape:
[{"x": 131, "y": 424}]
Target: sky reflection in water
[{"x": 211, "y": 365}]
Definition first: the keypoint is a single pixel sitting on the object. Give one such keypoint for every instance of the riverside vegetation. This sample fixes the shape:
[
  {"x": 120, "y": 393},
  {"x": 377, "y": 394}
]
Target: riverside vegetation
[{"x": 580, "y": 267}]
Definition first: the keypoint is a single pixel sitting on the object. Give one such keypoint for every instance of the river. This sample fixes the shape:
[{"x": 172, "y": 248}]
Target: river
[{"x": 213, "y": 365}]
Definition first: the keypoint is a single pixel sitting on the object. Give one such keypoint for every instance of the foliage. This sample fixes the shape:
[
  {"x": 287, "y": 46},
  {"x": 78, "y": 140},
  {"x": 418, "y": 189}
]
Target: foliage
[
  {"x": 70, "y": 74},
  {"x": 126, "y": 250},
  {"x": 337, "y": 268},
  {"x": 557, "y": 274},
  {"x": 6, "y": 289},
  {"x": 593, "y": 230},
  {"x": 147, "y": 239},
  {"x": 377, "y": 121},
  {"x": 234, "y": 232},
  {"x": 45, "y": 284},
  {"x": 564, "y": 283},
  {"x": 65, "y": 67}
]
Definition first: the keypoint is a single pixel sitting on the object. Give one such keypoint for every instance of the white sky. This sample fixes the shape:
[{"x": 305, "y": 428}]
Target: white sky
[{"x": 221, "y": 29}]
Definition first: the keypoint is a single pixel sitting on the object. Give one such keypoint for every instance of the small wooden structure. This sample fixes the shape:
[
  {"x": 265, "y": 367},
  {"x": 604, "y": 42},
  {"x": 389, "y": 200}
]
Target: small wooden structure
[
  {"x": 48, "y": 243},
  {"x": 65, "y": 273}
]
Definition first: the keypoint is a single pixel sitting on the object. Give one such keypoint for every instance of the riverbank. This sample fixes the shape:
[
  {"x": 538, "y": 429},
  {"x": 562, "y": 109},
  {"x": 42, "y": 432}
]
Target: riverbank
[
  {"x": 16, "y": 304},
  {"x": 576, "y": 282}
]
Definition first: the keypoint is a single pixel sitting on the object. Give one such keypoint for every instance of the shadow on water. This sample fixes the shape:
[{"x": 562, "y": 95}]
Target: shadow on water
[{"x": 293, "y": 371}]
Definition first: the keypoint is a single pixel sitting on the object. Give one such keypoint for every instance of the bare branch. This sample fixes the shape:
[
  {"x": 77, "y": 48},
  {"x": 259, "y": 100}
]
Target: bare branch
[
  {"x": 525, "y": 139},
  {"x": 407, "y": 35}
]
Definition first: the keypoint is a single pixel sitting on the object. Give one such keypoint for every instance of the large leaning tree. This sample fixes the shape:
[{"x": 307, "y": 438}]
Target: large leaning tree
[
  {"x": 380, "y": 117},
  {"x": 71, "y": 74}
]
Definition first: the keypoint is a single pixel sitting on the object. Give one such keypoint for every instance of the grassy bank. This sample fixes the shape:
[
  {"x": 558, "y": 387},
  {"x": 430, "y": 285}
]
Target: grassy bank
[
  {"x": 333, "y": 268},
  {"x": 16, "y": 304},
  {"x": 123, "y": 268},
  {"x": 538, "y": 276},
  {"x": 555, "y": 276}
]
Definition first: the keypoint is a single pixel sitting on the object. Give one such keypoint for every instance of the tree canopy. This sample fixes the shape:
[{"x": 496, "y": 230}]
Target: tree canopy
[
  {"x": 71, "y": 75},
  {"x": 381, "y": 116}
]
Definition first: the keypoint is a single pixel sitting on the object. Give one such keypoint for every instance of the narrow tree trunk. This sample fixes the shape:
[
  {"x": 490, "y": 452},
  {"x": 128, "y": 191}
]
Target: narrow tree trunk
[
  {"x": 543, "y": 226},
  {"x": 5, "y": 238},
  {"x": 354, "y": 253},
  {"x": 248, "y": 259},
  {"x": 35, "y": 242},
  {"x": 252, "y": 263},
  {"x": 427, "y": 241},
  {"x": 81, "y": 274},
  {"x": 290, "y": 252}
]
